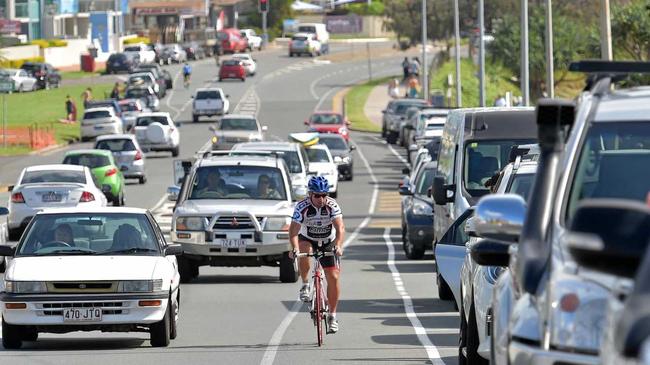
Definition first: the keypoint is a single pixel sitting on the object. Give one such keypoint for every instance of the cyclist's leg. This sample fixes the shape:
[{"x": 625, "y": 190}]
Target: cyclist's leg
[
  {"x": 333, "y": 288},
  {"x": 303, "y": 262}
]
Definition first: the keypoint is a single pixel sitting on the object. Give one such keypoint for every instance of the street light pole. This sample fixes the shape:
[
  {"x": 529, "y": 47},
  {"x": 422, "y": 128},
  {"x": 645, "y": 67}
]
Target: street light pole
[
  {"x": 481, "y": 51},
  {"x": 605, "y": 31},
  {"x": 425, "y": 65},
  {"x": 550, "y": 79},
  {"x": 459, "y": 94},
  {"x": 525, "y": 66}
]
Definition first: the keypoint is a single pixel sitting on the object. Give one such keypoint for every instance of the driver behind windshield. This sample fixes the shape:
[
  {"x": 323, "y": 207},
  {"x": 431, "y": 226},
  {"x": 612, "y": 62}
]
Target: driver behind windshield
[
  {"x": 213, "y": 183},
  {"x": 63, "y": 233},
  {"x": 265, "y": 189}
]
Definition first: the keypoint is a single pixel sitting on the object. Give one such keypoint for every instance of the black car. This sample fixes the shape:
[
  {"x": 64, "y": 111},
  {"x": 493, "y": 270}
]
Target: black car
[
  {"x": 194, "y": 51},
  {"x": 341, "y": 151},
  {"x": 122, "y": 62},
  {"x": 417, "y": 212},
  {"x": 169, "y": 81},
  {"x": 160, "y": 80},
  {"x": 46, "y": 76}
]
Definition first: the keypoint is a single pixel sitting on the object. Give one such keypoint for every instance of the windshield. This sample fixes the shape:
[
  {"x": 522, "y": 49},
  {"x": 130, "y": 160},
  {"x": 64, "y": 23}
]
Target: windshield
[
  {"x": 522, "y": 184},
  {"x": 299, "y": 38},
  {"x": 231, "y": 63},
  {"x": 325, "y": 119},
  {"x": 145, "y": 121},
  {"x": 317, "y": 155},
  {"x": 203, "y": 95},
  {"x": 97, "y": 114},
  {"x": 116, "y": 145},
  {"x": 307, "y": 29},
  {"x": 232, "y": 124},
  {"x": 87, "y": 159},
  {"x": 334, "y": 143},
  {"x": 130, "y": 107},
  {"x": 132, "y": 49},
  {"x": 54, "y": 176},
  {"x": 402, "y": 108},
  {"x": 136, "y": 93},
  {"x": 424, "y": 181},
  {"x": 238, "y": 182},
  {"x": 613, "y": 164},
  {"x": 483, "y": 159},
  {"x": 89, "y": 234}
]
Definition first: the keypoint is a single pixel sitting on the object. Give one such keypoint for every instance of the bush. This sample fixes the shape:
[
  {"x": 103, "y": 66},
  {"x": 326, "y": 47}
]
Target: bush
[
  {"x": 18, "y": 63},
  {"x": 137, "y": 40},
  {"x": 47, "y": 43}
]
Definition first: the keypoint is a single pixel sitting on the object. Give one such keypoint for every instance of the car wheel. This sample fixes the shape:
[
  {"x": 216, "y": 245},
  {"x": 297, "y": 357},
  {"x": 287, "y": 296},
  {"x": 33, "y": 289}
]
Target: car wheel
[
  {"x": 173, "y": 331},
  {"x": 160, "y": 331},
  {"x": 117, "y": 200},
  {"x": 391, "y": 138},
  {"x": 30, "y": 334},
  {"x": 11, "y": 336},
  {"x": 444, "y": 292},
  {"x": 243, "y": 79},
  {"x": 462, "y": 338},
  {"x": 142, "y": 179},
  {"x": 15, "y": 233},
  {"x": 473, "y": 340},
  {"x": 186, "y": 269},
  {"x": 288, "y": 269},
  {"x": 290, "y": 54},
  {"x": 3, "y": 265},
  {"x": 195, "y": 118},
  {"x": 412, "y": 252},
  {"x": 176, "y": 151}
]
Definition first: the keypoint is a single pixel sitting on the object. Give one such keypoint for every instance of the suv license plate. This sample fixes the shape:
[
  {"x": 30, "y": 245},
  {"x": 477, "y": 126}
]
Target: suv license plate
[
  {"x": 233, "y": 243},
  {"x": 82, "y": 314}
]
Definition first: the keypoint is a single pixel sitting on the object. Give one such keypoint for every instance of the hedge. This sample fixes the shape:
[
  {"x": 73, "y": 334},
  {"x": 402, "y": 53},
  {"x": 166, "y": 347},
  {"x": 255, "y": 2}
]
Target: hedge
[
  {"x": 137, "y": 40},
  {"x": 47, "y": 43},
  {"x": 18, "y": 63}
]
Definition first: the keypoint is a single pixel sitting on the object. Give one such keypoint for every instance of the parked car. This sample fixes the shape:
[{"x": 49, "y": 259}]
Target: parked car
[
  {"x": 329, "y": 122},
  {"x": 122, "y": 62},
  {"x": 321, "y": 163},
  {"x": 108, "y": 175},
  {"x": 176, "y": 53},
  {"x": 232, "y": 69},
  {"x": 232, "y": 41},
  {"x": 234, "y": 211},
  {"x": 394, "y": 113},
  {"x": 127, "y": 153},
  {"x": 124, "y": 279},
  {"x": 249, "y": 62},
  {"x": 145, "y": 53},
  {"x": 304, "y": 43},
  {"x": 209, "y": 102},
  {"x": 158, "y": 132},
  {"x": 158, "y": 78},
  {"x": 146, "y": 95},
  {"x": 49, "y": 186},
  {"x": 342, "y": 153},
  {"x": 319, "y": 30},
  {"x": 254, "y": 41},
  {"x": 408, "y": 124},
  {"x": 144, "y": 79},
  {"x": 131, "y": 108},
  {"x": 46, "y": 76},
  {"x": 98, "y": 122},
  {"x": 417, "y": 212},
  {"x": 237, "y": 128},
  {"x": 169, "y": 84},
  {"x": 106, "y": 103},
  {"x": 430, "y": 125},
  {"x": 21, "y": 79},
  {"x": 194, "y": 51}
]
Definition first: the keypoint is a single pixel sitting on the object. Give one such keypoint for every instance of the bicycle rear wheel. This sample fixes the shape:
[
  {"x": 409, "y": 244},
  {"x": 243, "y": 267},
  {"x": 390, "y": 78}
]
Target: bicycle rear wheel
[{"x": 318, "y": 308}]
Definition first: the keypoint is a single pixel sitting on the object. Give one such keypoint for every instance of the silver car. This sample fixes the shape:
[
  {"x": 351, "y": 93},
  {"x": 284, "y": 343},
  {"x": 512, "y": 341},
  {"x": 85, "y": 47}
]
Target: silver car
[
  {"x": 236, "y": 128},
  {"x": 127, "y": 154}
]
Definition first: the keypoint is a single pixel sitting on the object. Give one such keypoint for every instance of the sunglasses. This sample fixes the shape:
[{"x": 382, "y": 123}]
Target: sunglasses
[{"x": 319, "y": 195}]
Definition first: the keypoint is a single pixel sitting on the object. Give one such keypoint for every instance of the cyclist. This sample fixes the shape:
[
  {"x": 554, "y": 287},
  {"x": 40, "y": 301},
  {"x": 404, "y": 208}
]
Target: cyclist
[
  {"x": 187, "y": 72},
  {"x": 317, "y": 224}
]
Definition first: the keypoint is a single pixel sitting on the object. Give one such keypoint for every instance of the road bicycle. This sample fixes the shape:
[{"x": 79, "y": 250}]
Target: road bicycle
[
  {"x": 319, "y": 307},
  {"x": 186, "y": 80}
]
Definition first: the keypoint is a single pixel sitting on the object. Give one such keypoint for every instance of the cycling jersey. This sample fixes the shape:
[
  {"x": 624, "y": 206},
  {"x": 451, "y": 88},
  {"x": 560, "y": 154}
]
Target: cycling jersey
[
  {"x": 316, "y": 224},
  {"x": 187, "y": 70}
]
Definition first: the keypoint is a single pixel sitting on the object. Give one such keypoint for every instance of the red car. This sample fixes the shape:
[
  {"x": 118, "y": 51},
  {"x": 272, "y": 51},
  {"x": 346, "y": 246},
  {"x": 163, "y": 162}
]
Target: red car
[
  {"x": 329, "y": 122},
  {"x": 232, "y": 41},
  {"x": 232, "y": 69}
]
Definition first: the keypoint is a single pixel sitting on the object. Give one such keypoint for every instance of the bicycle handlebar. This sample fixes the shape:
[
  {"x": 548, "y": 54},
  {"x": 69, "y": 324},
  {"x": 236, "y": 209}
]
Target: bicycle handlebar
[{"x": 320, "y": 254}]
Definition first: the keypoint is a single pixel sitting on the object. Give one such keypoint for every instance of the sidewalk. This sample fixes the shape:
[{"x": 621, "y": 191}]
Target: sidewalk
[{"x": 377, "y": 101}]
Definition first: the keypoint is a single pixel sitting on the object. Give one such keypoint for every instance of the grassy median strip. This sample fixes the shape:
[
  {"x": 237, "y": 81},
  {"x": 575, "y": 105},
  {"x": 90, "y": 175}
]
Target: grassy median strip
[{"x": 355, "y": 100}]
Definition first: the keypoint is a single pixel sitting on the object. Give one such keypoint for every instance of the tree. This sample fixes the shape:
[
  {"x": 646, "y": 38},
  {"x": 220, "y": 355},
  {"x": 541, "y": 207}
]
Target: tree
[
  {"x": 631, "y": 30},
  {"x": 279, "y": 10}
]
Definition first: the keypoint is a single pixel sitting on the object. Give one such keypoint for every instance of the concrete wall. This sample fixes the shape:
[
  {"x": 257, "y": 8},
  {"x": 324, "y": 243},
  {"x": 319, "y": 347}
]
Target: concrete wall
[
  {"x": 20, "y": 52},
  {"x": 373, "y": 26},
  {"x": 69, "y": 56}
]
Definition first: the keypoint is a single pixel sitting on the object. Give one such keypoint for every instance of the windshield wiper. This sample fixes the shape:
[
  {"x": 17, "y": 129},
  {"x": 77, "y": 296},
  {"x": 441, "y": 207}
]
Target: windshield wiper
[
  {"x": 129, "y": 250},
  {"x": 73, "y": 251}
]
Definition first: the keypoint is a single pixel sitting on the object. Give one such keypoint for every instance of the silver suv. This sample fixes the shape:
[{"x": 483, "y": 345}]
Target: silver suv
[{"x": 234, "y": 211}]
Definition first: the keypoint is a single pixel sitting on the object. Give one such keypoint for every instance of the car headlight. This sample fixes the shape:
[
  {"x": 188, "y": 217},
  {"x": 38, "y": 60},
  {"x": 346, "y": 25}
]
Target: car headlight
[
  {"x": 254, "y": 137},
  {"x": 190, "y": 224},
  {"x": 492, "y": 274},
  {"x": 338, "y": 159},
  {"x": 421, "y": 208},
  {"x": 25, "y": 287},
  {"x": 578, "y": 311},
  {"x": 277, "y": 224},
  {"x": 139, "y": 286}
]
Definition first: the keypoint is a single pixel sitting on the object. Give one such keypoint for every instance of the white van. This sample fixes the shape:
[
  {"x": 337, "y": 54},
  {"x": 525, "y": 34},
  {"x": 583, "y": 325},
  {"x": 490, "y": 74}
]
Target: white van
[{"x": 322, "y": 35}]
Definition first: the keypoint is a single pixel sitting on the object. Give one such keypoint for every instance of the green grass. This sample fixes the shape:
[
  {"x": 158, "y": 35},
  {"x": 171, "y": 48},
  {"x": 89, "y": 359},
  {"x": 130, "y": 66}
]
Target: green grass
[
  {"x": 14, "y": 150},
  {"x": 355, "y": 100},
  {"x": 73, "y": 75},
  {"x": 498, "y": 81}
]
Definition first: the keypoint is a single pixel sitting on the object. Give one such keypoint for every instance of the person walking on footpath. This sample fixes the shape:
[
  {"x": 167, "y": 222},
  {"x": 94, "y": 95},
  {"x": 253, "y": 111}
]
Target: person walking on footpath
[
  {"x": 87, "y": 96},
  {"x": 415, "y": 67},
  {"x": 70, "y": 110},
  {"x": 393, "y": 89},
  {"x": 405, "y": 67},
  {"x": 414, "y": 87},
  {"x": 115, "y": 93}
]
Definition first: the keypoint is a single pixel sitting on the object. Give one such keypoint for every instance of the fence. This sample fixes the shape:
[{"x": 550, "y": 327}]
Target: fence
[{"x": 36, "y": 136}]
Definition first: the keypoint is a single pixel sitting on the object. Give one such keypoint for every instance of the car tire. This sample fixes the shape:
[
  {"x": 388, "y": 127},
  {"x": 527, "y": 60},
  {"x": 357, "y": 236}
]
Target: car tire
[
  {"x": 195, "y": 118},
  {"x": 444, "y": 292},
  {"x": 243, "y": 79},
  {"x": 186, "y": 269},
  {"x": 350, "y": 176},
  {"x": 173, "y": 330},
  {"x": 160, "y": 331},
  {"x": 290, "y": 54},
  {"x": 288, "y": 269},
  {"x": 117, "y": 200},
  {"x": 30, "y": 334},
  {"x": 411, "y": 252},
  {"x": 391, "y": 138},
  {"x": 12, "y": 336},
  {"x": 176, "y": 151},
  {"x": 462, "y": 338},
  {"x": 3, "y": 265},
  {"x": 473, "y": 341},
  {"x": 142, "y": 180}
]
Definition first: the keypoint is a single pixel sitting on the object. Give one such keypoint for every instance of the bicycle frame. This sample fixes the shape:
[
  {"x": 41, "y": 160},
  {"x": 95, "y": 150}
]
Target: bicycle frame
[{"x": 319, "y": 307}]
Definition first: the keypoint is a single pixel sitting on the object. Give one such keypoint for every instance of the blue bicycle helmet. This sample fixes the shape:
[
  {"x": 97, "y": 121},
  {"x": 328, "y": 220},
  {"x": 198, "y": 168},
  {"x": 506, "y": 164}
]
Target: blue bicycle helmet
[{"x": 318, "y": 184}]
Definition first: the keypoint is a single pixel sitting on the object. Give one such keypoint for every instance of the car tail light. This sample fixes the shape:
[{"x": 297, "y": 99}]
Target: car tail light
[
  {"x": 86, "y": 197},
  {"x": 343, "y": 130},
  {"x": 138, "y": 156},
  {"x": 111, "y": 172},
  {"x": 17, "y": 198}
]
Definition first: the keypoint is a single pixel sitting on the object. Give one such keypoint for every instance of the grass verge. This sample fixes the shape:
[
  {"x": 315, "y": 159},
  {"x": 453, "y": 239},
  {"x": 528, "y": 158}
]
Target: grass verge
[
  {"x": 355, "y": 100},
  {"x": 74, "y": 75}
]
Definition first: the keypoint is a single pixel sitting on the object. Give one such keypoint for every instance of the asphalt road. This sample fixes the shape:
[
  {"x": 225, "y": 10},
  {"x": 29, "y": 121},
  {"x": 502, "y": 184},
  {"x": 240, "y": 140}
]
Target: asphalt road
[{"x": 388, "y": 312}]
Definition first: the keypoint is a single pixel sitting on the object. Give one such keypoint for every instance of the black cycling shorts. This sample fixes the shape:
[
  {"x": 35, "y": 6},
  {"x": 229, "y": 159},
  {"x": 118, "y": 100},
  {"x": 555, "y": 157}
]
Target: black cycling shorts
[{"x": 328, "y": 262}]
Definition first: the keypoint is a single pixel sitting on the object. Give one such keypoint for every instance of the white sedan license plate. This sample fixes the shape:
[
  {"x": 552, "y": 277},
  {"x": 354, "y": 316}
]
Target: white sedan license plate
[
  {"x": 233, "y": 243},
  {"x": 82, "y": 314}
]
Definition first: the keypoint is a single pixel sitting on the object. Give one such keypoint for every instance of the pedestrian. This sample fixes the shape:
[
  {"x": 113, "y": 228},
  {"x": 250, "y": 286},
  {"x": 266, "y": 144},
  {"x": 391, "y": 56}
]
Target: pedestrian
[
  {"x": 115, "y": 93},
  {"x": 405, "y": 66},
  {"x": 415, "y": 67},
  {"x": 414, "y": 87},
  {"x": 70, "y": 110},
  {"x": 393, "y": 89},
  {"x": 87, "y": 96},
  {"x": 500, "y": 101}
]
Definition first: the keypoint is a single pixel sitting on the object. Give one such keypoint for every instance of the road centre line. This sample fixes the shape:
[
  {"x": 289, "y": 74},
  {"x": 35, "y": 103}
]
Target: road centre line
[
  {"x": 399, "y": 157},
  {"x": 420, "y": 331}
]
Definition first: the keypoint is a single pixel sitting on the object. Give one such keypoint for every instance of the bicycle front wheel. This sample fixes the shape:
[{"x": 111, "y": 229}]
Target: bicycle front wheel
[{"x": 318, "y": 310}]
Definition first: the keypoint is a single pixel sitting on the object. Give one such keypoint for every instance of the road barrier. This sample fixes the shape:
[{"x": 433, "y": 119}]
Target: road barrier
[{"x": 35, "y": 136}]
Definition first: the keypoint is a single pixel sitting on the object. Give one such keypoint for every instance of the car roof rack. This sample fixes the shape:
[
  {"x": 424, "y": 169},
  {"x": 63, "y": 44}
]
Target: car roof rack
[
  {"x": 523, "y": 150},
  {"x": 603, "y": 73}
]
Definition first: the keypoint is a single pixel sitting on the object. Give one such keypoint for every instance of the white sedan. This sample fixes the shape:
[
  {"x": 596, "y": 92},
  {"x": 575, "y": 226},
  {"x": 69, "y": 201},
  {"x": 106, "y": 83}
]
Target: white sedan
[
  {"x": 50, "y": 186},
  {"x": 103, "y": 269},
  {"x": 249, "y": 62},
  {"x": 22, "y": 80},
  {"x": 321, "y": 163}
]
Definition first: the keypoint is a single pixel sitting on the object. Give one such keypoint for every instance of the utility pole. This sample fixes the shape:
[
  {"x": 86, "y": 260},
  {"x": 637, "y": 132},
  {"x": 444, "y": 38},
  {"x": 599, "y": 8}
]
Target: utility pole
[
  {"x": 459, "y": 94},
  {"x": 525, "y": 63},
  {"x": 550, "y": 79},
  {"x": 605, "y": 31},
  {"x": 425, "y": 65},
  {"x": 481, "y": 51}
]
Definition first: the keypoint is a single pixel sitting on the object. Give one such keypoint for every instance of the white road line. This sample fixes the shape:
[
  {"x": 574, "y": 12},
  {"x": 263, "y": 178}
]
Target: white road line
[
  {"x": 171, "y": 93},
  {"x": 400, "y": 157},
  {"x": 420, "y": 331}
]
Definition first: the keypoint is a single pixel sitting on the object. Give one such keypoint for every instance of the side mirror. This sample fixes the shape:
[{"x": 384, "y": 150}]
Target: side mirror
[
  {"x": 212, "y": 128},
  {"x": 500, "y": 217},
  {"x": 124, "y": 168},
  {"x": 490, "y": 253},
  {"x": 4, "y": 211},
  {"x": 173, "y": 250},
  {"x": 353, "y": 147},
  {"x": 440, "y": 191},
  {"x": 227, "y": 95},
  {"x": 406, "y": 171},
  {"x": 265, "y": 128},
  {"x": 610, "y": 235},
  {"x": 429, "y": 192},
  {"x": 405, "y": 189},
  {"x": 7, "y": 251},
  {"x": 10, "y": 188},
  {"x": 172, "y": 193}
]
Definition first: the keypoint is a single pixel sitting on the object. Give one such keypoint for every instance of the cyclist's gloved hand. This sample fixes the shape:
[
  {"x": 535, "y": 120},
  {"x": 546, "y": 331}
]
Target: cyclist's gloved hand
[
  {"x": 293, "y": 254},
  {"x": 338, "y": 251}
]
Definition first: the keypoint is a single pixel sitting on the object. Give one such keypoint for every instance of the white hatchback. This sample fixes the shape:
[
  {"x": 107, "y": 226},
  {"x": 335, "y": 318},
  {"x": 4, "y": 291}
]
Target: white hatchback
[
  {"x": 101, "y": 269},
  {"x": 321, "y": 163},
  {"x": 250, "y": 65},
  {"x": 98, "y": 122}
]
